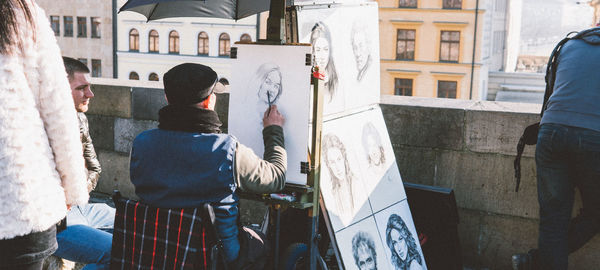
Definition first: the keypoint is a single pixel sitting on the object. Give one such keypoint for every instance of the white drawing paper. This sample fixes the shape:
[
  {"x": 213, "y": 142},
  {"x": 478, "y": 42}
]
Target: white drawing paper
[{"x": 277, "y": 75}]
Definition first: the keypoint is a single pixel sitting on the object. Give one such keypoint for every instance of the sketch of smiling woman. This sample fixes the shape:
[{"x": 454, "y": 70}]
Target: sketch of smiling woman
[{"x": 269, "y": 81}]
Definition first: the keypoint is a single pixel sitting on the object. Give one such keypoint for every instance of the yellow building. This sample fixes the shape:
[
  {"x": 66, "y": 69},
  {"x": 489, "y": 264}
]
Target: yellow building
[{"x": 427, "y": 48}]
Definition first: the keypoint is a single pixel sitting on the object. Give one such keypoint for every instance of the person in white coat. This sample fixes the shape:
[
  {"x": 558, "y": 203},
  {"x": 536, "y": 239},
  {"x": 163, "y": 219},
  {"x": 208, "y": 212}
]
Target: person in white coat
[{"x": 42, "y": 170}]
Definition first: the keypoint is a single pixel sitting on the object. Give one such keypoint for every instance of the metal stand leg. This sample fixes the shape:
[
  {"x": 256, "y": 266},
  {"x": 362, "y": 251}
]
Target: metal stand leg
[{"x": 277, "y": 208}]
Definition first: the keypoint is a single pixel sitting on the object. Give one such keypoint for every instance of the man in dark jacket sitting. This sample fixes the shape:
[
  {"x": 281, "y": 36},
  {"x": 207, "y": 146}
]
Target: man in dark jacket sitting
[
  {"x": 187, "y": 162},
  {"x": 87, "y": 237}
]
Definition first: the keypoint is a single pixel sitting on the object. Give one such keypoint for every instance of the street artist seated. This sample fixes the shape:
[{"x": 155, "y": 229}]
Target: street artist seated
[{"x": 187, "y": 161}]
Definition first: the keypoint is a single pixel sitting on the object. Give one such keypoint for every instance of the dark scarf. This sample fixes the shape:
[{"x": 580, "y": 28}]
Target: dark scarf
[{"x": 188, "y": 119}]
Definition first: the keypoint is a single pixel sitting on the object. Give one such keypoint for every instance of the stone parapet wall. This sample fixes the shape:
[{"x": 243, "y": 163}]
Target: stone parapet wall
[{"x": 468, "y": 146}]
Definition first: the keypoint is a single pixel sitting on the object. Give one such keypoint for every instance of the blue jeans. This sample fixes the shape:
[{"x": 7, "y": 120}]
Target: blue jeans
[
  {"x": 88, "y": 236},
  {"x": 96, "y": 215},
  {"x": 566, "y": 157}
]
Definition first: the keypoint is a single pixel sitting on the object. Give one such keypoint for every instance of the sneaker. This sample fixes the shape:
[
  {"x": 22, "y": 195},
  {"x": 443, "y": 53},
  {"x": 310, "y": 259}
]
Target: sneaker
[
  {"x": 521, "y": 261},
  {"x": 525, "y": 261}
]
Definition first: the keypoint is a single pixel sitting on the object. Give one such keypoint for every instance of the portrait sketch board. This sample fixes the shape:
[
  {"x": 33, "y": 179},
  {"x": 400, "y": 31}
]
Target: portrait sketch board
[
  {"x": 276, "y": 74},
  {"x": 359, "y": 174},
  {"x": 356, "y": 153},
  {"x": 345, "y": 39}
]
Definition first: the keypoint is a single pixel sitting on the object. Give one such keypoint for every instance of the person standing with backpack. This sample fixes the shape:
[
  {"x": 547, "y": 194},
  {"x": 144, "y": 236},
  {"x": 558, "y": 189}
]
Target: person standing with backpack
[{"x": 568, "y": 153}]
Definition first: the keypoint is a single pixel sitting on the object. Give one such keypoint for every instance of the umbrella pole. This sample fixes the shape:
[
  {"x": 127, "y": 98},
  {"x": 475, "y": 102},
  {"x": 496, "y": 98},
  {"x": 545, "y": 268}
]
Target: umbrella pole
[{"x": 276, "y": 22}]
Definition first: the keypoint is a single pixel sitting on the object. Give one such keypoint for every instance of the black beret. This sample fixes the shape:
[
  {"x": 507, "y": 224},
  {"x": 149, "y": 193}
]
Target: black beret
[{"x": 189, "y": 83}]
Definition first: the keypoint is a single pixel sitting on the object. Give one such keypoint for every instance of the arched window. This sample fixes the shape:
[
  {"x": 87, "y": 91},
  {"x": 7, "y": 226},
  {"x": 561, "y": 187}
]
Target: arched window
[
  {"x": 153, "y": 77},
  {"x": 202, "y": 43},
  {"x": 245, "y": 38},
  {"x": 134, "y": 40},
  {"x": 153, "y": 41},
  {"x": 174, "y": 42},
  {"x": 224, "y": 45},
  {"x": 134, "y": 76}
]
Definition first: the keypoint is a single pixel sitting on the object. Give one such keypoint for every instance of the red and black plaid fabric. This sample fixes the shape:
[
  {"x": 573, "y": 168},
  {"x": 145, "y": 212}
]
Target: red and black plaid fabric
[{"x": 147, "y": 237}]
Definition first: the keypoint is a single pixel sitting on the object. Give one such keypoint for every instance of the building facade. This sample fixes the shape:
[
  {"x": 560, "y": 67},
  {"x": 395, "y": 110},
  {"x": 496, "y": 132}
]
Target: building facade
[
  {"x": 596, "y": 5},
  {"x": 84, "y": 31},
  {"x": 431, "y": 48},
  {"x": 501, "y": 33},
  {"x": 146, "y": 50}
]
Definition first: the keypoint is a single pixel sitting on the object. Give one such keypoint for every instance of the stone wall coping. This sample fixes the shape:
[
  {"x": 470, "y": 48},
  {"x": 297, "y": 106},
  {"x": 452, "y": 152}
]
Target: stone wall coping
[
  {"x": 471, "y": 105},
  {"x": 517, "y": 75},
  {"x": 126, "y": 83}
]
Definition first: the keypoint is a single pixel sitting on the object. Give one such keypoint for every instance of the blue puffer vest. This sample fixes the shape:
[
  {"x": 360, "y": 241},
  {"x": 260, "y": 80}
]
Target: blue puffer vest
[{"x": 174, "y": 169}]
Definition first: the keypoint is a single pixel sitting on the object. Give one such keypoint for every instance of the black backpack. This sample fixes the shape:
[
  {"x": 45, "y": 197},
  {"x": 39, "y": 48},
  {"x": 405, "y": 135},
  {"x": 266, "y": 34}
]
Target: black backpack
[{"x": 530, "y": 134}]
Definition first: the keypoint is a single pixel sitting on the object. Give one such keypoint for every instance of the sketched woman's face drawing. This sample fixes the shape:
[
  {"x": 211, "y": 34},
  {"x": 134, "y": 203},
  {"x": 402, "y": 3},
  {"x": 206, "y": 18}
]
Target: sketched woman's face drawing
[
  {"x": 372, "y": 145},
  {"x": 336, "y": 162},
  {"x": 374, "y": 151},
  {"x": 321, "y": 52},
  {"x": 270, "y": 88},
  {"x": 399, "y": 244}
]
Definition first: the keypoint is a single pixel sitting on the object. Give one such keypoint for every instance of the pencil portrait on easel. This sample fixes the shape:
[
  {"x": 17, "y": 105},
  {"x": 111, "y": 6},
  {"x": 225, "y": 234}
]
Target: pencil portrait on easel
[
  {"x": 272, "y": 75},
  {"x": 268, "y": 85}
]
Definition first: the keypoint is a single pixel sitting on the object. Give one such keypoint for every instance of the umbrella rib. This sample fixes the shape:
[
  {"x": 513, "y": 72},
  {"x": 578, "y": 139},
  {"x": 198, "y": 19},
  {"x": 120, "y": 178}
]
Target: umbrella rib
[
  {"x": 152, "y": 12},
  {"x": 237, "y": 15}
]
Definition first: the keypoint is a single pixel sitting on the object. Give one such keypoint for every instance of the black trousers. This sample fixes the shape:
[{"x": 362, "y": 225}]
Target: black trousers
[{"x": 28, "y": 251}]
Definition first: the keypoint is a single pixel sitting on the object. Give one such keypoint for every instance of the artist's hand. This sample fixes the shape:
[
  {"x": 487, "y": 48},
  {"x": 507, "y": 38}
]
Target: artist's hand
[{"x": 273, "y": 117}]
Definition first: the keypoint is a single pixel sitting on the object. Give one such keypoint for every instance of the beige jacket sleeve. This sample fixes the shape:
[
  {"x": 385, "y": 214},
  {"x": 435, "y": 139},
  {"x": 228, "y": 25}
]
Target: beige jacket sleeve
[{"x": 257, "y": 175}]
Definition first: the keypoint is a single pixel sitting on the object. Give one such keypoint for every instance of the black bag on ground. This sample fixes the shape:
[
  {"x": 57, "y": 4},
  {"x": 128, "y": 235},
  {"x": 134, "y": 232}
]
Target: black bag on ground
[{"x": 254, "y": 250}]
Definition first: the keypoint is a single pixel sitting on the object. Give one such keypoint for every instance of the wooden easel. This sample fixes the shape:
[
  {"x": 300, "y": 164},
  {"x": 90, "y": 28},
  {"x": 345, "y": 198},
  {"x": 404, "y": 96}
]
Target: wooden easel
[{"x": 282, "y": 29}]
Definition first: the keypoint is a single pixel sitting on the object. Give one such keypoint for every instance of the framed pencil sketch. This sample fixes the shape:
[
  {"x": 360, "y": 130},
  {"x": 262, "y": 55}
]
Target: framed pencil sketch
[
  {"x": 363, "y": 191},
  {"x": 271, "y": 74}
]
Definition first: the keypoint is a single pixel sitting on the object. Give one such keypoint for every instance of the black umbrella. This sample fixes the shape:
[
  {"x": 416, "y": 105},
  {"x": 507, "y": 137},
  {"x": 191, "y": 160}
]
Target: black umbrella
[{"x": 228, "y": 9}]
